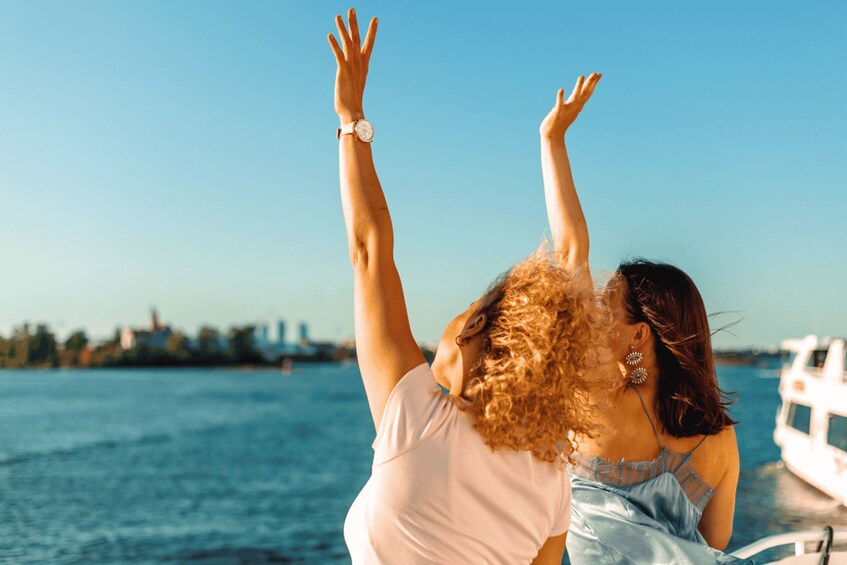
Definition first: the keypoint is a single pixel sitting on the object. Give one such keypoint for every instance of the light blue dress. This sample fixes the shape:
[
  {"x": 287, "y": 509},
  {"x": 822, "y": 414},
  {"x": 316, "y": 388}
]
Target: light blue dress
[{"x": 640, "y": 512}]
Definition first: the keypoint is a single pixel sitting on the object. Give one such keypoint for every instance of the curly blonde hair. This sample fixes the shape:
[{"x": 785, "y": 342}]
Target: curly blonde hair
[{"x": 545, "y": 350}]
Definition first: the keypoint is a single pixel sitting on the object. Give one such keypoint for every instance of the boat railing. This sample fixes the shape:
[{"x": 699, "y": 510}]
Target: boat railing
[{"x": 797, "y": 539}]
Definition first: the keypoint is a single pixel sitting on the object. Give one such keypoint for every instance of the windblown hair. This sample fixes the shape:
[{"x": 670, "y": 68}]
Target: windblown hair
[
  {"x": 545, "y": 340},
  {"x": 689, "y": 401}
]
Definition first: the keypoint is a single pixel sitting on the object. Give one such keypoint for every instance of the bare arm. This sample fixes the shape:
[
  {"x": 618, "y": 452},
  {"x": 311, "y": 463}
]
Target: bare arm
[
  {"x": 552, "y": 551},
  {"x": 564, "y": 212},
  {"x": 716, "y": 521},
  {"x": 385, "y": 347}
]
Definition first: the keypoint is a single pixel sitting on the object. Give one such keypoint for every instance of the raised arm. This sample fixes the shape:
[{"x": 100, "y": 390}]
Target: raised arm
[
  {"x": 567, "y": 223},
  {"x": 385, "y": 347}
]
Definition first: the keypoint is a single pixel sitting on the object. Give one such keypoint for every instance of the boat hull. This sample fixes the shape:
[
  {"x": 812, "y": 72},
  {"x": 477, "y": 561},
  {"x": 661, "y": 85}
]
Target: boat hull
[{"x": 810, "y": 422}]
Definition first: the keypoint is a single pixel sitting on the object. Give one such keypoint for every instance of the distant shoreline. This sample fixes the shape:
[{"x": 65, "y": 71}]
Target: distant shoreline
[
  {"x": 748, "y": 358},
  {"x": 168, "y": 365}
]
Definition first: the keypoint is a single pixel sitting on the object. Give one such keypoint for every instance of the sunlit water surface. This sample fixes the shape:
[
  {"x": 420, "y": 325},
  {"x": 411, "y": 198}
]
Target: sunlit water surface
[{"x": 222, "y": 466}]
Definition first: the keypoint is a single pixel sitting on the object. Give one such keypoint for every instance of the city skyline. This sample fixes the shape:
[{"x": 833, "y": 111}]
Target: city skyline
[
  {"x": 274, "y": 331},
  {"x": 186, "y": 157}
]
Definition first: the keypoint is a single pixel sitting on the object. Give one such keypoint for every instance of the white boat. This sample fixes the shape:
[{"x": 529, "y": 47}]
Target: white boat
[
  {"x": 811, "y": 431},
  {"x": 811, "y": 423}
]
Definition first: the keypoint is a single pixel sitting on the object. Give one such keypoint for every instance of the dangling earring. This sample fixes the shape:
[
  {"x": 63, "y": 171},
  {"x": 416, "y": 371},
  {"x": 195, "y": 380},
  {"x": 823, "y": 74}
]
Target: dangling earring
[{"x": 638, "y": 374}]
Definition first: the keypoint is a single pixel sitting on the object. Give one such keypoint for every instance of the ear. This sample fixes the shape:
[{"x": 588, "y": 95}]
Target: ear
[
  {"x": 474, "y": 326},
  {"x": 641, "y": 335}
]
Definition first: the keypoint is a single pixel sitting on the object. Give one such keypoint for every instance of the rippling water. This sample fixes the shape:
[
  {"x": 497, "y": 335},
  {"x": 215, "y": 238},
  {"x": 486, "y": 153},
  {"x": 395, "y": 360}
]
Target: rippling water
[{"x": 219, "y": 466}]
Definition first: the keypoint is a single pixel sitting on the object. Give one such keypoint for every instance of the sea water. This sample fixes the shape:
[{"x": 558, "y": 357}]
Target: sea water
[{"x": 230, "y": 466}]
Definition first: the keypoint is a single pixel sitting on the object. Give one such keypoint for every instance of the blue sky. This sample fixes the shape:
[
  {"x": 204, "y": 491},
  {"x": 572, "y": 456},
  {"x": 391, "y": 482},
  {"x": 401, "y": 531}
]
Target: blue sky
[{"x": 183, "y": 155}]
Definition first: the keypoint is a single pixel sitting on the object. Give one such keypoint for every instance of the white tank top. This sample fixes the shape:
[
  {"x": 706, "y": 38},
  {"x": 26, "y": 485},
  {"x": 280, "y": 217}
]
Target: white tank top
[{"x": 439, "y": 494}]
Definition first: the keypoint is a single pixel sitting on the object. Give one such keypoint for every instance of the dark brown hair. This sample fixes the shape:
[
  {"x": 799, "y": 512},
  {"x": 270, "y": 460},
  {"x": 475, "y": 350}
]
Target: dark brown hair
[{"x": 689, "y": 401}]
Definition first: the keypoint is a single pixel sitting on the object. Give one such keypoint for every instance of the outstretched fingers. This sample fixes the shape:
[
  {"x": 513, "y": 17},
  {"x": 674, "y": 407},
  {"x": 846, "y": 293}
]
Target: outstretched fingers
[
  {"x": 577, "y": 89},
  {"x": 336, "y": 49},
  {"x": 588, "y": 89},
  {"x": 345, "y": 37},
  {"x": 351, "y": 41},
  {"x": 354, "y": 29},
  {"x": 368, "y": 47}
]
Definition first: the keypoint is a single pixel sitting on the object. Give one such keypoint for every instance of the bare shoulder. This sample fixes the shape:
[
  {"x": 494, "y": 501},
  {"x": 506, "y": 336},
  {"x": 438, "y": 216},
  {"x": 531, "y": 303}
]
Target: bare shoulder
[
  {"x": 722, "y": 442},
  {"x": 729, "y": 448},
  {"x": 727, "y": 442},
  {"x": 717, "y": 456}
]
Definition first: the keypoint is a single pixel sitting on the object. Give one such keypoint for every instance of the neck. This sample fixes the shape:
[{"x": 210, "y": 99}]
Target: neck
[
  {"x": 450, "y": 374},
  {"x": 648, "y": 389}
]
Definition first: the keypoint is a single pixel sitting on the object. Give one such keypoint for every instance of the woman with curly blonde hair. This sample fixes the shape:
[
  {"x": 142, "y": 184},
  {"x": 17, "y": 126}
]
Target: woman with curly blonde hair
[{"x": 476, "y": 475}]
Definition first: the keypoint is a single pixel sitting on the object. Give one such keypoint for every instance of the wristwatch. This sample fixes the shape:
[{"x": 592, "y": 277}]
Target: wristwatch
[{"x": 362, "y": 129}]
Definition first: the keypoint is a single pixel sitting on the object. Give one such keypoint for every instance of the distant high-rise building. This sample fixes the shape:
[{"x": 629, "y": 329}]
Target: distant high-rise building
[
  {"x": 260, "y": 333},
  {"x": 280, "y": 338},
  {"x": 304, "y": 332}
]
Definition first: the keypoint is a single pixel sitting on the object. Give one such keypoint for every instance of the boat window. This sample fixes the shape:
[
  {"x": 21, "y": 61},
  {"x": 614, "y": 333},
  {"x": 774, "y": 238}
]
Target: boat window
[
  {"x": 816, "y": 359},
  {"x": 799, "y": 417},
  {"x": 837, "y": 436}
]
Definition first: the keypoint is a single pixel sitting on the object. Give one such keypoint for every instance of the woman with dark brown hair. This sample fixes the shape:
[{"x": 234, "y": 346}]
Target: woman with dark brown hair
[{"x": 657, "y": 483}]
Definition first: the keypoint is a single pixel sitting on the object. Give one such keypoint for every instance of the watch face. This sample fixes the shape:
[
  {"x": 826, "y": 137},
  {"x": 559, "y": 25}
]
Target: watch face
[{"x": 364, "y": 130}]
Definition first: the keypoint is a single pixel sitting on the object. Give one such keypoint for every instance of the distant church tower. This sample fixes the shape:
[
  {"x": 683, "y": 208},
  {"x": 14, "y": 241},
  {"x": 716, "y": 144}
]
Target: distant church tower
[{"x": 154, "y": 319}]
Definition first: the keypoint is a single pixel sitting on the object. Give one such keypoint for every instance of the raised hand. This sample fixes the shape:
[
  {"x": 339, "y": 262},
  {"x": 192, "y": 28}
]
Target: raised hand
[
  {"x": 353, "y": 62},
  {"x": 565, "y": 112}
]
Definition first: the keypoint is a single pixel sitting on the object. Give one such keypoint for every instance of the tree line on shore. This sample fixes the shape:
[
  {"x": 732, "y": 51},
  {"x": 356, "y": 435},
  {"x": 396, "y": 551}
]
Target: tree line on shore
[{"x": 39, "y": 348}]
